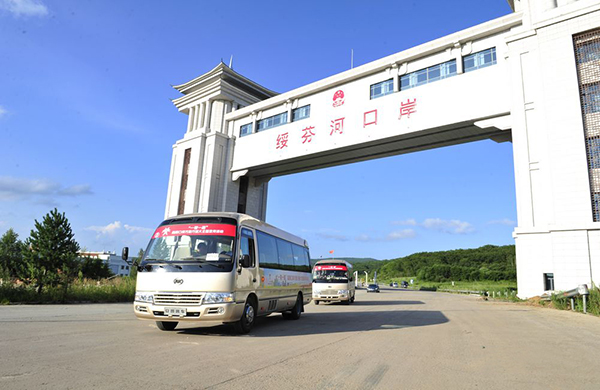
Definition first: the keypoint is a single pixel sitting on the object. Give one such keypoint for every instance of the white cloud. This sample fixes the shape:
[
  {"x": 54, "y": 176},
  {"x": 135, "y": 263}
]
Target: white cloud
[
  {"x": 116, "y": 227},
  {"x": 453, "y": 226},
  {"x": 109, "y": 229},
  {"x": 406, "y": 222},
  {"x": 24, "y": 7},
  {"x": 14, "y": 188},
  {"x": 401, "y": 235},
  {"x": 3, "y": 111},
  {"x": 136, "y": 229},
  {"x": 505, "y": 221},
  {"x": 393, "y": 236}
]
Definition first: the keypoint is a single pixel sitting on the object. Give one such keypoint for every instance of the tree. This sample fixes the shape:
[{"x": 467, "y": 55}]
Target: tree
[
  {"x": 50, "y": 252},
  {"x": 137, "y": 259},
  {"x": 11, "y": 258},
  {"x": 94, "y": 268}
]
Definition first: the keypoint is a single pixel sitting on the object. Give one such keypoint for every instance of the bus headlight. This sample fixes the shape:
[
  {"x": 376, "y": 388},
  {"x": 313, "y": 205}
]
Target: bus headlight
[
  {"x": 144, "y": 297},
  {"x": 218, "y": 298},
  {"x": 342, "y": 292}
]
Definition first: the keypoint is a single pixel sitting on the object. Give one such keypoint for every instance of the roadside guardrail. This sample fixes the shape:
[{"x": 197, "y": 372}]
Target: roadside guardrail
[{"x": 581, "y": 290}]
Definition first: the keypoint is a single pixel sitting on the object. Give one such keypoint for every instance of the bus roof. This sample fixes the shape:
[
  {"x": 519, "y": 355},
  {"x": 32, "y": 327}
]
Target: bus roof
[
  {"x": 243, "y": 220},
  {"x": 333, "y": 261}
]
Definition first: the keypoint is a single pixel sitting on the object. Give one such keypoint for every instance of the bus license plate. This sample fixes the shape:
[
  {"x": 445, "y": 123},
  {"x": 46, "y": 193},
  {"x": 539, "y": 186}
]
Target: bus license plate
[{"x": 175, "y": 311}]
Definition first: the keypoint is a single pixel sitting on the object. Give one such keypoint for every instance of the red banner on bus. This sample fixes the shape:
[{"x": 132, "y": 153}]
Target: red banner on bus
[
  {"x": 331, "y": 267},
  {"x": 200, "y": 229}
]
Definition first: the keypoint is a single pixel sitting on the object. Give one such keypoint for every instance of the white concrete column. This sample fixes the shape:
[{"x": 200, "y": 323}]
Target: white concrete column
[
  {"x": 395, "y": 77},
  {"x": 208, "y": 115},
  {"x": 190, "y": 119},
  {"x": 458, "y": 55},
  {"x": 197, "y": 111},
  {"x": 202, "y": 114}
]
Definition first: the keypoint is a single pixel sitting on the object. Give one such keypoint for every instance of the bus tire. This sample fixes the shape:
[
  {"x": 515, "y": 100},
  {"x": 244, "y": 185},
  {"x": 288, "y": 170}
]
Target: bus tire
[
  {"x": 296, "y": 311},
  {"x": 166, "y": 325},
  {"x": 245, "y": 324},
  {"x": 316, "y": 302}
]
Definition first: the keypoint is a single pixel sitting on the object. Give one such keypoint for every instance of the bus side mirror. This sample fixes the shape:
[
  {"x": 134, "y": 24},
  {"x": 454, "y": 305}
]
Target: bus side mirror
[
  {"x": 245, "y": 261},
  {"x": 125, "y": 253}
]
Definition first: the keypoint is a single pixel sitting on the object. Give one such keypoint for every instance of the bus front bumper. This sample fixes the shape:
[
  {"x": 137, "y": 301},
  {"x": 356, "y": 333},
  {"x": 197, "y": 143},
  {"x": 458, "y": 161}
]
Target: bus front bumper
[
  {"x": 331, "y": 298},
  {"x": 225, "y": 312}
]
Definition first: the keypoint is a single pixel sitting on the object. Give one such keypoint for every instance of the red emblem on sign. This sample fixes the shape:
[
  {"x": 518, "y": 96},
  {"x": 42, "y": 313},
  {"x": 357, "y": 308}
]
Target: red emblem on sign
[
  {"x": 308, "y": 134},
  {"x": 370, "y": 118},
  {"x": 337, "y": 126},
  {"x": 408, "y": 108},
  {"x": 282, "y": 140},
  {"x": 338, "y": 98}
]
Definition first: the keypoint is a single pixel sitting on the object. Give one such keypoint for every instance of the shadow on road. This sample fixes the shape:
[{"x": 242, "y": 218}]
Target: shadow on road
[
  {"x": 328, "y": 323},
  {"x": 384, "y": 303}
]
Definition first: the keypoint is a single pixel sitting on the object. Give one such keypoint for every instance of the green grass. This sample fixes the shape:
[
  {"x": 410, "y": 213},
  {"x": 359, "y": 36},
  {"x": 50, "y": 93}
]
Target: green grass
[
  {"x": 593, "y": 302},
  {"x": 121, "y": 289},
  {"x": 502, "y": 289}
]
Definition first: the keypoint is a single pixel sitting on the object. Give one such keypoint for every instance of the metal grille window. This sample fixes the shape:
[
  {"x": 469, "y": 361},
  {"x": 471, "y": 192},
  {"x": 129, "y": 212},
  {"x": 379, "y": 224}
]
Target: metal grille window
[
  {"x": 587, "y": 55},
  {"x": 479, "y": 60},
  {"x": 272, "y": 121},
  {"x": 245, "y": 129},
  {"x": 383, "y": 88},
  {"x": 428, "y": 75},
  {"x": 301, "y": 113}
]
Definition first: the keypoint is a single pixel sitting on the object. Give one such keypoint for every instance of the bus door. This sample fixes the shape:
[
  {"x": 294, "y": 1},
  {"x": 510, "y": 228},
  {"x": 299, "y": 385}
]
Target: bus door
[{"x": 248, "y": 276}]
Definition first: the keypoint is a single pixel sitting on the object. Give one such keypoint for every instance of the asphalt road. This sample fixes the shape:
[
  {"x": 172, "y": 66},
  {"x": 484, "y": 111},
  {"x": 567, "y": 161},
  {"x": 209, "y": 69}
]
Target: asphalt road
[{"x": 396, "y": 339}]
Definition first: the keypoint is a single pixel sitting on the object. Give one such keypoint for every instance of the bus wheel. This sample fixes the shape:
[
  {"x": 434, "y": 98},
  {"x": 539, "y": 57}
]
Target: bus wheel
[
  {"x": 245, "y": 324},
  {"x": 166, "y": 325},
  {"x": 296, "y": 311},
  {"x": 316, "y": 302}
]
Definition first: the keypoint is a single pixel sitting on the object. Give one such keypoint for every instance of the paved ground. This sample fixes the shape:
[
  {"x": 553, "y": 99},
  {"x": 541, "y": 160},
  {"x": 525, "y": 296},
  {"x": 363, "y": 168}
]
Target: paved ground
[{"x": 395, "y": 339}]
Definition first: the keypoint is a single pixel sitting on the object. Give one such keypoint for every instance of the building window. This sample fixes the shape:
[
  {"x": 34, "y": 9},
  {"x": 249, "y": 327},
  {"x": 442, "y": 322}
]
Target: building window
[
  {"x": 479, "y": 60},
  {"x": 596, "y": 205},
  {"x": 588, "y": 51},
  {"x": 590, "y": 98},
  {"x": 381, "y": 89},
  {"x": 272, "y": 121},
  {"x": 428, "y": 75},
  {"x": 587, "y": 48},
  {"x": 301, "y": 113},
  {"x": 548, "y": 282},
  {"x": 245, "y": 129},
  {"x": 593, "y": 151}
]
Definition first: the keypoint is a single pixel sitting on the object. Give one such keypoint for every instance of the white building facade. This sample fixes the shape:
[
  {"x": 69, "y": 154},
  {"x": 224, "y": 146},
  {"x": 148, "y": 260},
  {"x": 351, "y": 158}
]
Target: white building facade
[
  {"x": 116, "y": 264},
  {"x": 531, "y": 77}
]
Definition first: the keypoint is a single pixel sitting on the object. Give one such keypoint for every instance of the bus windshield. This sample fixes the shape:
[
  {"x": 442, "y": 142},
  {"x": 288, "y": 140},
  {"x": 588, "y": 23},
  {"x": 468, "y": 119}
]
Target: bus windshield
[
  {"x": 192, "y": 243},
  {"x": 330, "y": 274}
]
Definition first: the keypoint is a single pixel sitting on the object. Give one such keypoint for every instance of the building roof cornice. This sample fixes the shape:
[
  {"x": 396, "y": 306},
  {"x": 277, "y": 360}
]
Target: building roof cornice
[{"x": 222, "y": 71}]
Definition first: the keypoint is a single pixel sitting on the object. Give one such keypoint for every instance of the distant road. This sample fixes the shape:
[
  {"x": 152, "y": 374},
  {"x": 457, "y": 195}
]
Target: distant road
[{"x": 396, "y": 339}]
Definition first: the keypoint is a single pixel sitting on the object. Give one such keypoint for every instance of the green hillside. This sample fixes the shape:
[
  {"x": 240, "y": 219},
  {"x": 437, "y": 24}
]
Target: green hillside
[{"x": 488, "y": 262}]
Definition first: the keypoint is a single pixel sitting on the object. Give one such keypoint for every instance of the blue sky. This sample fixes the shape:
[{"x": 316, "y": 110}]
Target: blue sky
[{"x": 87, "y": 125}]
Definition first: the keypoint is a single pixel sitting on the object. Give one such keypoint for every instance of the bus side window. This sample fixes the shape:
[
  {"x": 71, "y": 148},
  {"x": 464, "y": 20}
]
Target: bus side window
[{"x": 247, "y": 245}]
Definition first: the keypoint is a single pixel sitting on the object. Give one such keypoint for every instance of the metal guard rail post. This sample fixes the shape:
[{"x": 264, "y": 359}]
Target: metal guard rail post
[{"x": 581, "y": 290}]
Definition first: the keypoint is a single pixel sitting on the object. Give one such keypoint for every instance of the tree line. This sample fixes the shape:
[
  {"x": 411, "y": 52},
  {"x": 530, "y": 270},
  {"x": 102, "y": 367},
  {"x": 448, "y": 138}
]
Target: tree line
[
  {"x": 488, "y": 262},
  {"x": 49, "y": 257}
]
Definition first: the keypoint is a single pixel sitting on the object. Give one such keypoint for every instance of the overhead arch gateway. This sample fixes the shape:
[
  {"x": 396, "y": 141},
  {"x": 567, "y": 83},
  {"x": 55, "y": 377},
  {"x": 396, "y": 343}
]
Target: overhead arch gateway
[{"x": 531, "y": 77}]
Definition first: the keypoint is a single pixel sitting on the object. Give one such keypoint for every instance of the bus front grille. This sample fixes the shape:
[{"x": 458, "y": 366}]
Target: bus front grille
[{"x": 177, "y": 299}]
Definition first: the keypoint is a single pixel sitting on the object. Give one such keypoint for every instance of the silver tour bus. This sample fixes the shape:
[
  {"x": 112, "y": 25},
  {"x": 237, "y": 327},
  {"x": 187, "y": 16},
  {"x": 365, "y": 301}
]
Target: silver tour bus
[
  {"x": 333, "y": 281},
  {"x": 225, "y": 267}
]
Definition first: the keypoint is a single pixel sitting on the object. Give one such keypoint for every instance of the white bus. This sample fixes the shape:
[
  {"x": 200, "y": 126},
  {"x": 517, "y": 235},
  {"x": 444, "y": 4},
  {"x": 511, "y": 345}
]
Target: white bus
[
  {"x": 333, "y": 281},
  {"x": 225, "y": 267}
]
